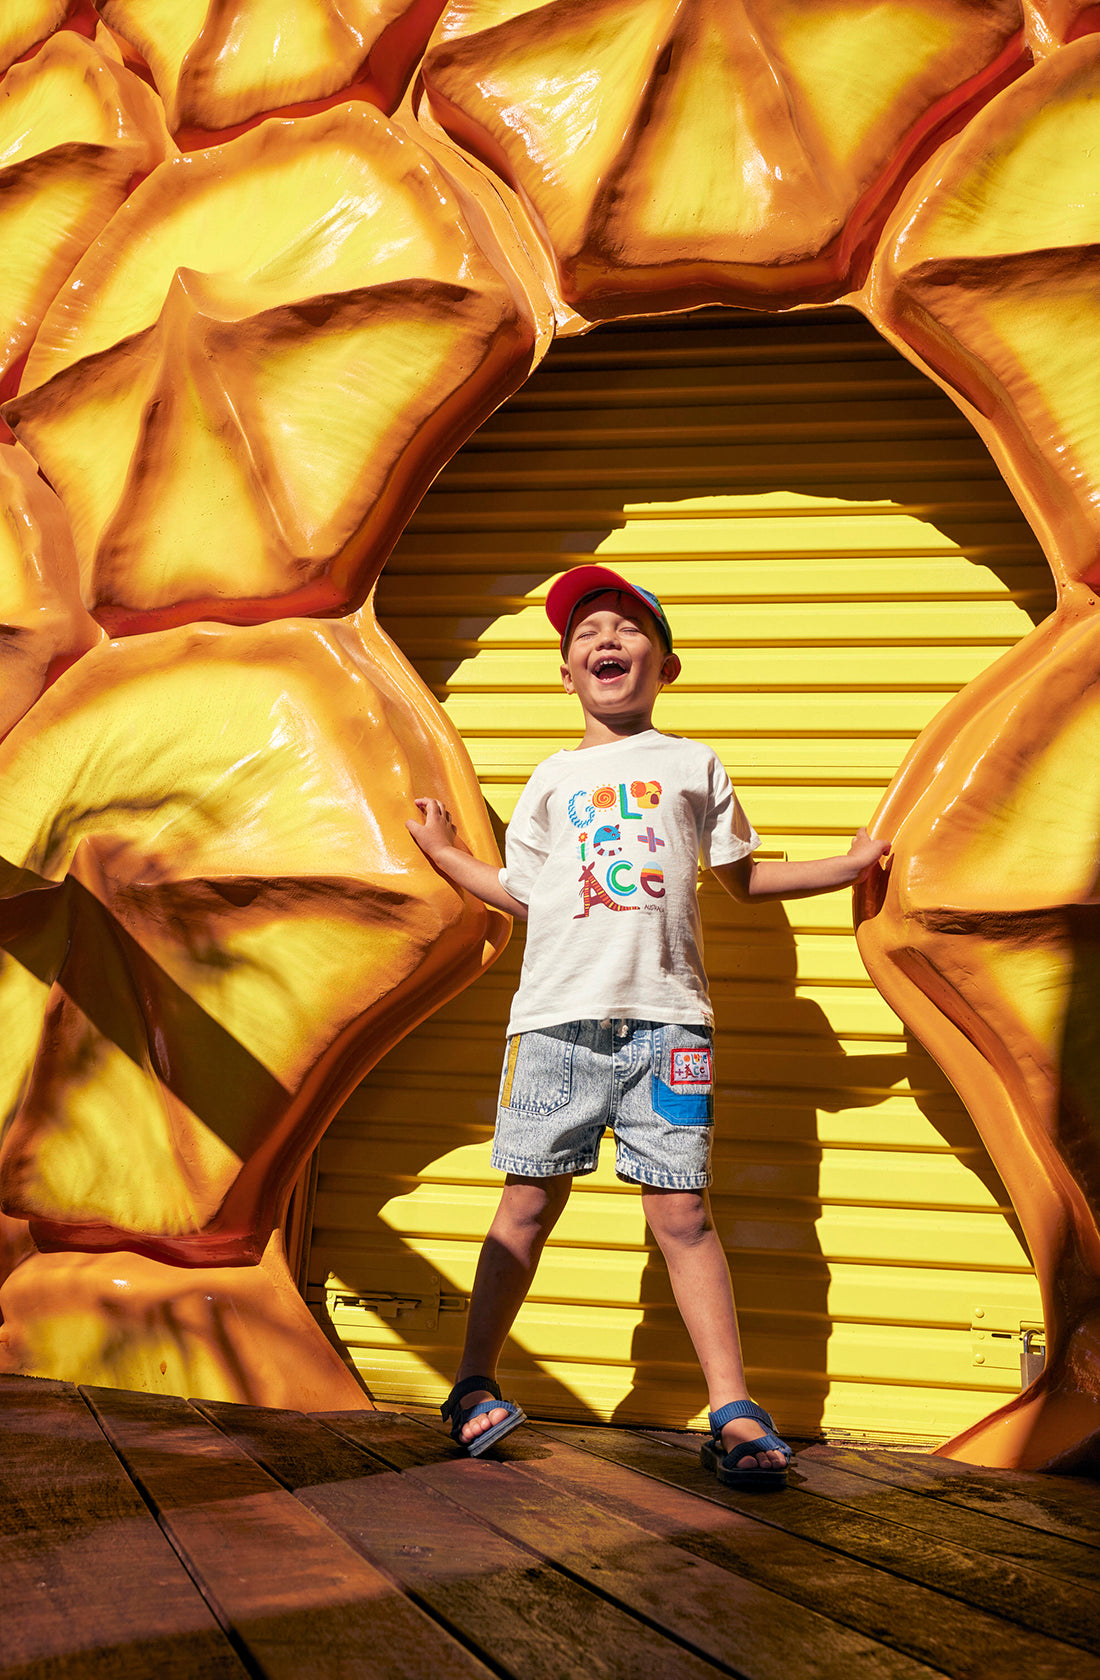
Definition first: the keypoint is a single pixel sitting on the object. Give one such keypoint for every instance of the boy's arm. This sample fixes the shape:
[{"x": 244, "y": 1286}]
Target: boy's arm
[
  {"x": 747, "y": 879},
  {"x": 436, "y": 838}
]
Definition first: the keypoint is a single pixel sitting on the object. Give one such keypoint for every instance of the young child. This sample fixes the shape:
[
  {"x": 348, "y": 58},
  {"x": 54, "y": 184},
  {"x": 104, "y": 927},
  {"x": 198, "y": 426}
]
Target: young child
[{"x": 612, "y": 1023}]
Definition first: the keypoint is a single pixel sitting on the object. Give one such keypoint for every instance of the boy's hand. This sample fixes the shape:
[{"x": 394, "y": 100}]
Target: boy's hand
[
  {"x": 801, "y": 878},
  {"x": 437, "y": 832},
  {"x": 865, "y": 853},
  {"x": 438, "y": 840}
]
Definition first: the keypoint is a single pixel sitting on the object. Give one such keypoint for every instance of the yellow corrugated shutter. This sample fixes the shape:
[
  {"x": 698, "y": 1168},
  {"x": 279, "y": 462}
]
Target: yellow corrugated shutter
[{"x": 837, "y": 554}]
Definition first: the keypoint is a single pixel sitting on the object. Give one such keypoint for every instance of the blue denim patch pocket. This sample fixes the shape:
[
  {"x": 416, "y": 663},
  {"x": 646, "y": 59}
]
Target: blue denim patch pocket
[{"x": 682, "y": 1090}]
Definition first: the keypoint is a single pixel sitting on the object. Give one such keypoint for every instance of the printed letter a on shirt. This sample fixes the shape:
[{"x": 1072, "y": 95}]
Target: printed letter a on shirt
[{"x": 593, "y": 893}]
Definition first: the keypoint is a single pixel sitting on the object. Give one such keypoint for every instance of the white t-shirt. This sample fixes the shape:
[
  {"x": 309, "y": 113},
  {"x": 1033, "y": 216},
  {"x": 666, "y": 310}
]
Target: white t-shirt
[{"x": 604, "y": 848}]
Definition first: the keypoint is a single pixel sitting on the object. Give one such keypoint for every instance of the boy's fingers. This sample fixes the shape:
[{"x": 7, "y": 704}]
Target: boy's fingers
[
  {"x": 863, "y": 838},
  {"x": 877, "y": 865}
]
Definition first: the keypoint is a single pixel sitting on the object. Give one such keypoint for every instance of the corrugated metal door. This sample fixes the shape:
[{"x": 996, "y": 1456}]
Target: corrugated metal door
[{"x": 838, "y": 555}]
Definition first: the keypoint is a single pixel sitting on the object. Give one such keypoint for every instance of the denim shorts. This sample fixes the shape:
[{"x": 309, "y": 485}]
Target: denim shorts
[{"x": 651, "y": 1083}]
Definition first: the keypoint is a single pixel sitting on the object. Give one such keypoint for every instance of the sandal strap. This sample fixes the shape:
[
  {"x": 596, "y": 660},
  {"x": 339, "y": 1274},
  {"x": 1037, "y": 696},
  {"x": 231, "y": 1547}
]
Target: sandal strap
[
  {"x": 768, "y": 1442},
  {"x": 483, "y": 1406},
  {"x": 467, "y": 1386},
  {"x": 737, "y": 1409}
]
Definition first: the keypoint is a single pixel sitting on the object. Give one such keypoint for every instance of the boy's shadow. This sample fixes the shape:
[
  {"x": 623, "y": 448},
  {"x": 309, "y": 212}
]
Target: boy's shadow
[{"x": 779, "y": 1064}]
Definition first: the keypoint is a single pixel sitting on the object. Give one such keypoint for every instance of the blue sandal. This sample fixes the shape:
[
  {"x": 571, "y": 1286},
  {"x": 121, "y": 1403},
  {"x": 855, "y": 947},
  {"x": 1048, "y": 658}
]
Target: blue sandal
[
  {"x": 713, "y": 1455},
  {"x": 453, "y": 1413}
]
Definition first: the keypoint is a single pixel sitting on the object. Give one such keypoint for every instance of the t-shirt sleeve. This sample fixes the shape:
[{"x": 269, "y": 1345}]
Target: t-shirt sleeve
[
  {"x": 526, "y": 844},
  {"x": 727, "y": 832}
]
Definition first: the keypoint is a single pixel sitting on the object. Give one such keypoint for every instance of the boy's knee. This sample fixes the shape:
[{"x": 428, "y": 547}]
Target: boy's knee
[
  {"x": 680, "y": 1217},
  {"x": 535, "y": 1201}
]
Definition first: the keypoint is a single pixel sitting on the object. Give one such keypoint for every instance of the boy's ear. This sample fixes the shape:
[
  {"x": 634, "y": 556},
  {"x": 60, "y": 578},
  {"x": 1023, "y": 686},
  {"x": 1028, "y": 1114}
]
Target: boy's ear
[
  {"x": 671, "y": 668},
  {"x": 566, "y": 680}
]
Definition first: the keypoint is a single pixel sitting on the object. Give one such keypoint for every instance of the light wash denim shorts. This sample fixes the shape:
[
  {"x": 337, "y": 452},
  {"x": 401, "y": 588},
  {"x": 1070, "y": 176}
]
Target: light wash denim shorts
[{"x": 651, "y": 1083}]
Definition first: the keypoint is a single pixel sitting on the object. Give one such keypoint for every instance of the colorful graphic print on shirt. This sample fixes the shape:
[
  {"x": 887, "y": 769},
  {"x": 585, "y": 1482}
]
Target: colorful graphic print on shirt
[{"x": 620, "y": 867}]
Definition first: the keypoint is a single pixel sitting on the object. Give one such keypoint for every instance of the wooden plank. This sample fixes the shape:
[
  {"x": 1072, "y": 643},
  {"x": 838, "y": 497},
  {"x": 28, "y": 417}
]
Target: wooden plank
[
  {"x": 302, "y": 1602},
  {"x": 1053, "y": 1585},
  {"x": 530, "y": 1619},
  {"x": 91, "y": 1586},
  {"x": 710, "y": 1608},
  {"x": 1050, "y": 1584},
  {"x": 1065, "y": 1505},
  {"x": 298, "y": 1451},
  {"x": 837, "y": 1477},
  {"x": 873, "y": 1576}
]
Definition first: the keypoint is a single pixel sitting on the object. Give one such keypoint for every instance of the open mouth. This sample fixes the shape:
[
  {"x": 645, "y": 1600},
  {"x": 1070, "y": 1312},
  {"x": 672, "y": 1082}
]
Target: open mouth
[{"x": 609, "y": 670}]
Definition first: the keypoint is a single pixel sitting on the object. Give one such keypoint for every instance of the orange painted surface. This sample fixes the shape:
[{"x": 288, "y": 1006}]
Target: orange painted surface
[
  {"x": 244, "y": 322},
  {"x": 985, "y": 939},
  {"x": 675, "y": 155},
  {"x": 238, "y": 349},
  {"x": 214, "y": 923}
]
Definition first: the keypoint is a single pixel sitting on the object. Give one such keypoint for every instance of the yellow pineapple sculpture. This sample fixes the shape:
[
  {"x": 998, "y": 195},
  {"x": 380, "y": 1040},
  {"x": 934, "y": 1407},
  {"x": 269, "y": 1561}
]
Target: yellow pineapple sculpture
[{"x": 267, "y": 266}]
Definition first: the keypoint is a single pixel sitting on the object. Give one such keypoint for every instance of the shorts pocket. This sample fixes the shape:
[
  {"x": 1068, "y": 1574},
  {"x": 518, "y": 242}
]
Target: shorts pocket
[
  {"x": 538, "y": 1070},
  {"x": 683, "y": 1077}
]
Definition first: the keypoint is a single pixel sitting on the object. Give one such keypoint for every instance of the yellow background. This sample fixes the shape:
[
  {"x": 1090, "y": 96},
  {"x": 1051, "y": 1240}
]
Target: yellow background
[{"x": 837, "y": 555}]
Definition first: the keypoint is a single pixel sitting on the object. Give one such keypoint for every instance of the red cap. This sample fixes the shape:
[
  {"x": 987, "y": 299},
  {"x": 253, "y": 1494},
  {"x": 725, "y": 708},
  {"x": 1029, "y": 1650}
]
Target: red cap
[{"x": 584, "y": 582}]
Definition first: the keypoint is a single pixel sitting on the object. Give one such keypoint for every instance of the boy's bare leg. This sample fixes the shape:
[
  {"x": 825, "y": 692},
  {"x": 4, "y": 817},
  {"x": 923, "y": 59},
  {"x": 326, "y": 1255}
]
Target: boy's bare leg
[
  {"x": 529, "y": 1209},
  {"x": 682, "y": 1224}
]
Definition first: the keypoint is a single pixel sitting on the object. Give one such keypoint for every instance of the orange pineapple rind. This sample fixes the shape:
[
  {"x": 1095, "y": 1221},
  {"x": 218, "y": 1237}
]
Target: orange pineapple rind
[{"x": 260, "y": 379}]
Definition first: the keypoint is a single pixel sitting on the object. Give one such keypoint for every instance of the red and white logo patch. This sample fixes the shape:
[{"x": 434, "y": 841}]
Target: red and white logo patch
[{"x": 691, "y": 1067}]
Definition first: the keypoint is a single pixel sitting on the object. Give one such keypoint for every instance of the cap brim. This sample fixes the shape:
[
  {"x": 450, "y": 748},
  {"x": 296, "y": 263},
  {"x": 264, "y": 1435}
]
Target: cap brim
[{"x": 572, "y": 587}]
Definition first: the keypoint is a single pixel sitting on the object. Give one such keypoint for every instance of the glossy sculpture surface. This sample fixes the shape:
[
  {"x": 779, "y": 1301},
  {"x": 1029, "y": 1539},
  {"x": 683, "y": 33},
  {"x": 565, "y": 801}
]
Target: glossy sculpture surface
[{"x": 273, "y": 262}]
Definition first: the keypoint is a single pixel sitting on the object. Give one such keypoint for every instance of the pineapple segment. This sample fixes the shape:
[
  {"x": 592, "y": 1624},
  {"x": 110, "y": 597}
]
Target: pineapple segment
[
  {"x": 76, "y": 129},
  {"x": 219, "y": 65},
  {"x": 989, "y": 275},
  {"x": 675, "y": 154},
  {"x": 23, "y": 23},
  {"x": 257, "y": 370},
  {"x": 220, "y": 915},
  {"x": 45, "y": 627}
]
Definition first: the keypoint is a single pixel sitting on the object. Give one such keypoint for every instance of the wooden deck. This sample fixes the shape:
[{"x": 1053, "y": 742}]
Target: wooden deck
[{"x": 152, "y": 1537}]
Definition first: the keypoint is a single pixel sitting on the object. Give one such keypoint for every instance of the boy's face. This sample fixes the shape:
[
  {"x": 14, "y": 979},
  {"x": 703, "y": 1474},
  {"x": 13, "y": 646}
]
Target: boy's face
[{"x": 616, "y": 661}]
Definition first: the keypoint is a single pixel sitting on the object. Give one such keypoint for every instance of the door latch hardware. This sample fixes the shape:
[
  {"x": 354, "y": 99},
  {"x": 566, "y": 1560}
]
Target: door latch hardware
[
  {"x": 1033, "y": 1354},
  {"x": 418, "y": 1307},
  {"x": 380, "y": 1301},
  {"x": 1002, "y": 1341}
]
